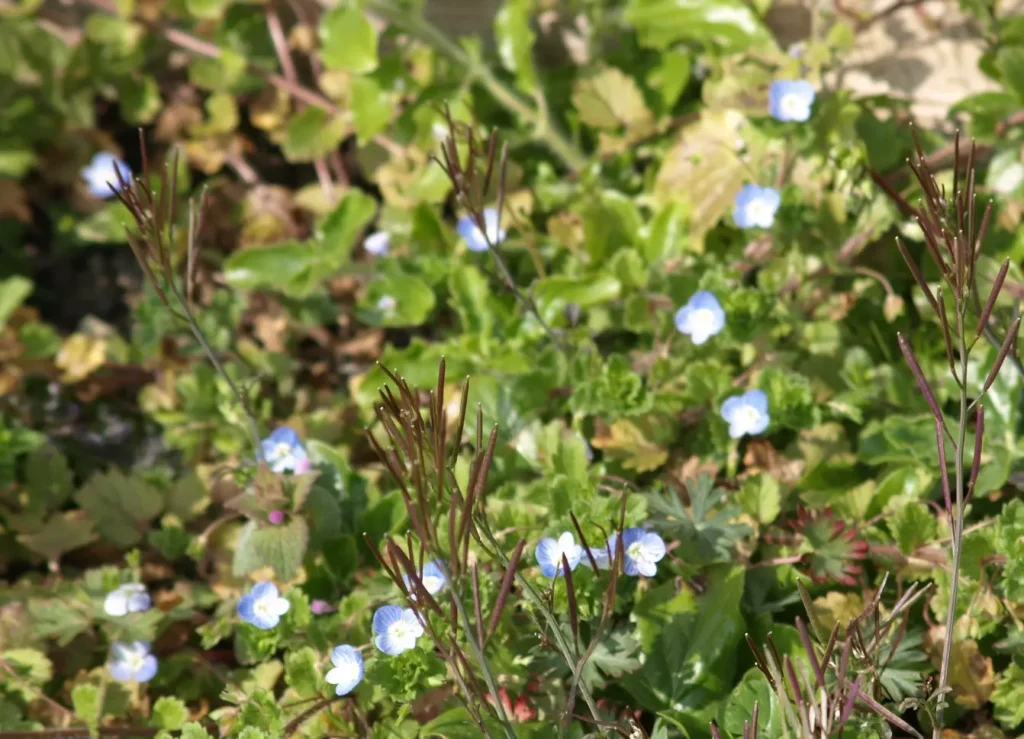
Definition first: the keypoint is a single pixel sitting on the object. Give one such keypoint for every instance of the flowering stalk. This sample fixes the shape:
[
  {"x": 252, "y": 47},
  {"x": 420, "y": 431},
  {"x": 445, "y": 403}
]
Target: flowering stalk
[{"x": 954, "y": 236}]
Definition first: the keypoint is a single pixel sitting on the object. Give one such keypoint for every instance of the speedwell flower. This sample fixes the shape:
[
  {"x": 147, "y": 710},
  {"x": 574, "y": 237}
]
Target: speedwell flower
[
  {"x": 642, "y": 550},
  {"x": 378, "y": 243},
  {"x": 474, "y": 237},
  {"x": 284, "y": 452},
  {"x": 791, "y": 100},
  {"x": 755, "y": 206},
  {"x": 263, "y": 606},
  {"x": 746, "y": 414},
  {"x": 100, "y": 174},
  {"x": 131, "y": 661},
  {"x": 347, "y": 672},
  {"x": 702, "y": 317},
  {"x": 432, "y": 577},
  {"x": 549, "y": 554},
  {"x": 396, "y": 629},
  {"x": 128, "y": 598}
]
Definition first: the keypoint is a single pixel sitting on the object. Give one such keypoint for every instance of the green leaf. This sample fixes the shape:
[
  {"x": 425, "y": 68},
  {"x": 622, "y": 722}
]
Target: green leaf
[
  {"x": 62, "y": 533},
  {"x": 611, "y": 99},
  {"x": 912, "y": 524},
  {"x": 56, "y": 619},
  {"x": 728, "y": 24},
  {"x": 169, "y": 713},
  {"x": 13, "y": 292},
  {"x": 1010, "y": 63},
  {"x": 48, "y": 478},
  {"x": 348, "y": 40},
  {"x": 515, "y": 38},
  {"x": 285, "y": 266},
  {"x": 192, "y": 730},
  {"x": 187, "y": 497},
  {"x": 469, "y": 296},
  {"x": 672, "y": 76},
  {"x": 1008, "y": 697},
  {"x": 278, "y": 547},
  {"x": 760, "y": 497},
  {"x": 398, "y": 299},
  {"x": 121, "y": 507},
  {"x": 31, "y": 665},
  {"x": 86, "y": 700},
  {"x": 340, "y": 228},
  {"x": 312, "y": 133},
  {"x": 207, "y": 9},
  {"x": 668, "y": 234},
  {"x": 371, "y": 108},
  {"x": 739, "y": 709},
  {"x": 300, "y": 672},
  {"x": 554, "y": 293}
]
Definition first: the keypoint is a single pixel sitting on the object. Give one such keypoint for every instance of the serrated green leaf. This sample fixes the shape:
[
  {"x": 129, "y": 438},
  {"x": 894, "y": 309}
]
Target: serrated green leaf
[
  {"x": 121, "y": 507},
  {"x": 192, "y": 730},
  {"x": 48, "y": 478},
  {"x": 300, "y": 672},
  {"x": 610, "y": 99},
  {"x": 62, "y": 532},
  {"x": 278, "y": 547},
  {"x": 371, "y": 108},
  {"x": 726, "y": 24},
  {"x": 169, "y": 713},
  {"x": 312, "y": 133},
  {"x": 187, "y": 497},
  {"x": 86, "y": 701},
  {"x": 348, "y": 40}
]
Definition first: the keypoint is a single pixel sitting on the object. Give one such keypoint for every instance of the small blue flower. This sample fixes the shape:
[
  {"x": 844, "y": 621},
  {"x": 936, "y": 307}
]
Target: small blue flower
[
  {"x": 755, "y": 206},
  {"x": 347, "y": 672},
  {"x": 642, "y": 551},
  {"x": 100, "y": 174},
  {"x": 604, "y": 555},
  {"x": 746, "y": 414},
  {"x": 378, "y": 243},
  {"x": 474, "y": 237},
  {"x": 791, "y": 100},
  {"x": 396, "y": 629},
  {"x": 432, "y": 577},
  {"x": 283, "y": 451},
  {"x": 549, "y": 554},
  {"x": 131, "y": 661},
  {"x": 262, "y": 606},
  {"x": 128, "y": 598},
  {"x": 702, "y": 317}
]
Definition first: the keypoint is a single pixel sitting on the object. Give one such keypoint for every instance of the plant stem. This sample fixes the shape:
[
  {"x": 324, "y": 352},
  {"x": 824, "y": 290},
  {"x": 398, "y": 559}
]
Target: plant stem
[
  {"x": 544, "y": 128},
  {"x": 957, "y": 524}
]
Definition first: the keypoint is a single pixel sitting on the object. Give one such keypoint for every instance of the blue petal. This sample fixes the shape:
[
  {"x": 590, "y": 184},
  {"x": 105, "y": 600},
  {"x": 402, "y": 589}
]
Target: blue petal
[
  {"x": 121, "y": 672},
  {"x": 148, "y": 669},
  {"x": 268, "y": 621},
  {"x": 760, "y": 426},
  {"x": 466, "y": 226},
  {"x": 645, "y": 568},
  {"x": 245, "y": 608},
  {"x": 386, "y": 644},
  {"x": 344, "y": 659},
  {"x": 630, "y": 566},
  {"x": 704, "y": 300},
  {"x": 631, "y": 536},
  {"x": 654, "y": 546},
  {"x": 284, "y": 435},
  {"x": 757, "y": 400},
  {"x": 265, "y": 589},
  {"x": 730, "y": 406},
  {"x": 384, "y": 617},
  {"x": 547, "y": 553}
]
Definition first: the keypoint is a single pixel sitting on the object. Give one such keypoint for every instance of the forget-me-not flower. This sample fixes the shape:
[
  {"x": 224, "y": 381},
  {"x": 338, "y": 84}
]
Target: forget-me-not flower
[
  {"x": 378, "y": 243},
  {"x": 702, "y": 317},
  {"x": 474, "y": 237},
  {"x": 347, "y": 672},
  {"x": 642, "y": 550},
  {"x": 263, "y": 606},
  {"x": 131, "y": 661},
  {"x": 549, "y": 554},
  {"x": 396, "y": 629},
  {"x": 128, "y": 598},
  {"x": 432, "y": 577},
  {"x": 755, "y": 206},
  {"x": 791, "y": 100},
  {"x": 100, "y": 174},
  {"x": 284, "y": 452},
  {"x": 746, "y": 414}
]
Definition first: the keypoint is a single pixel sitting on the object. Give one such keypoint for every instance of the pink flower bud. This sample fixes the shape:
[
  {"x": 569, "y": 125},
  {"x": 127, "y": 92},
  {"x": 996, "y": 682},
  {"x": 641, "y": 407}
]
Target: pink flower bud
[
  {"x": 320, "y": 607},
  {"x": 276, "y": 517}
]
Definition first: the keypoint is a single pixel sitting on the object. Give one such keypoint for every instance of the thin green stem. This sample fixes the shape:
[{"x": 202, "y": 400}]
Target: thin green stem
[
  {"x": 478, "y": 654},
  {"x": 957, "y": 523},
  {"x": 544, "y": 128}
]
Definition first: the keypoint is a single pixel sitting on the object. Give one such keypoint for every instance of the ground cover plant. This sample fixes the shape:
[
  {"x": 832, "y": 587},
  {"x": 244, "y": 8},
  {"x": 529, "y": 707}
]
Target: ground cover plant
[{"x": 624, "y": 374}]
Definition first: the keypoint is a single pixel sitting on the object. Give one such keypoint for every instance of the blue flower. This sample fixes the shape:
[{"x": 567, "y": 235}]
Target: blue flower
[
  {"x": 131, "y": 661},
  {"x": 642, "y": 551},
  {"x": 262, "y": 606},
  {"x": 128, "y": 598},
  {"x": 396, "y": 629},
  {"x": 791, "y": 100},
  {"x": 347, "y": 672},
  {"x": 604, "y": 555},
  {"x": 702, "y": 317},
  {"x": 378, "y": 243},
  {"x": 474, "y": 237},
  {"x": 755, "y": 206},
  {"x": 100, "y": 174},
  {"x": 284, "y": 452},
  {"x": 746, "y": 414},
  {"x": 550, "y": 551},
  {"x": 432, "y": 577}
]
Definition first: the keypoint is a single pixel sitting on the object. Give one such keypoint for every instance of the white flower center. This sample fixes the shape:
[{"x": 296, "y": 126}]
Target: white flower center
[
  {"x": 703, "y": 320},
  {"x": 134, "y": 660},
  {"x": 747, "y": 417},
  {"x": 386, "y": 304},
  {"x": 794, "y": 106},
  {"x": 400, "y": 631},
  {"x": 262, "y": 609},
  {"x": 758, "y": 211},
  {"x": 636, "y": 551},
  {"x": 282, "y": 451}
]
